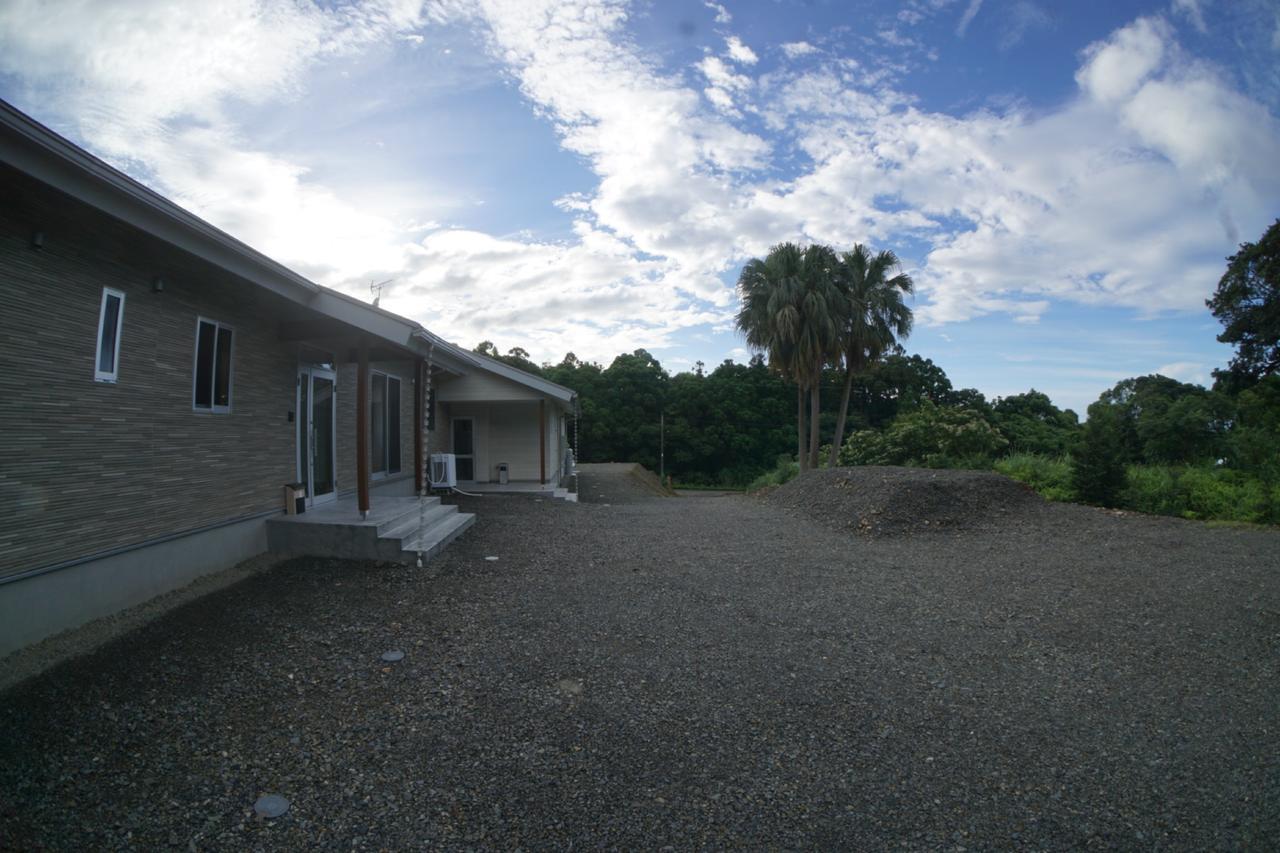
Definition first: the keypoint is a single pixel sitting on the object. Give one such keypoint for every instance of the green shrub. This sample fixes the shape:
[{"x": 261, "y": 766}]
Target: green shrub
[
  {"x": 1050, "y": 476},
  {"x": 1217, "y": 494},
  {"x": 1152, "y": 489},
  {"x": 932, "y": 436},
  {"x": 785, "y": 471}
]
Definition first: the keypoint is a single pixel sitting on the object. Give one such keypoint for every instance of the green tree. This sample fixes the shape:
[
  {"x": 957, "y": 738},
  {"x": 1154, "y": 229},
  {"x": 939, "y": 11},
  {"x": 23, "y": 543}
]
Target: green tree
[
  {"x": 873, "y": 317},
  {"x": 1254, "y": 441},
  {"x": 1031, "y": 423},
  {"x": 1098, "y": 465},
  {"x": 630, "y": 400},
  {"x": 1164, "y": 421},
  {"x": 516, "y": 357},
  {"x": 898, "y": 383},
  {"x": 1247, "y": 302}
]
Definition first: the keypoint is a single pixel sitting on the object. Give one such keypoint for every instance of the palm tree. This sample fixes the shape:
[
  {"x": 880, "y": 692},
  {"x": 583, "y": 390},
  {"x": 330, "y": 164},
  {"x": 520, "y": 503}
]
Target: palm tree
[
  {"x": 821, "y": 307},
  {"x": 790, "y": 302},
  {"x": 874, "y": 317},
  {"x": 768, "y": 290}
]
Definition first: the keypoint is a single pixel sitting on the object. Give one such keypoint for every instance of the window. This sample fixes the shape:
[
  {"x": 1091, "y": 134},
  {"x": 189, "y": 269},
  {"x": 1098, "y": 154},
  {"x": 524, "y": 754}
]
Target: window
[
  {"x": 110, "y": 319},
  {"x": 384, "y": 424},
  {"x": 212, "y": 392}
]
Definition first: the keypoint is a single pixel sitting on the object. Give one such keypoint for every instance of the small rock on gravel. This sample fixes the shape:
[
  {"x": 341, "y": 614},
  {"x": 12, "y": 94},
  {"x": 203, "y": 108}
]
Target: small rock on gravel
[{"x": 271, "y": 805}]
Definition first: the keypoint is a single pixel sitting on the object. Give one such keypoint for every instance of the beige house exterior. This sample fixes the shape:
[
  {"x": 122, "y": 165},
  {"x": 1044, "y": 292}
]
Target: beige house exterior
[
  {"x": 162, "y": 382},
  {"x": 513, "y": 419}
]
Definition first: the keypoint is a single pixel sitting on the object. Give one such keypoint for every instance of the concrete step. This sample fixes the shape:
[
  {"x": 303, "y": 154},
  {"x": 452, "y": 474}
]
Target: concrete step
[
  {"x": 337, "y": 530},
  {"x": 390, "y": 542},
  {"x": 405, "y": 510},
  {"x": 434, "y": 539}
]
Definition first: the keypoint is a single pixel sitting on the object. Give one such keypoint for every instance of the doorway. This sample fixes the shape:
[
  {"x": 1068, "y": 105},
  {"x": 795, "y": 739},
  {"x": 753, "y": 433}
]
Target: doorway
[
  {"x": 317, "y": 432},
  {"x": 464, "y": 447}
]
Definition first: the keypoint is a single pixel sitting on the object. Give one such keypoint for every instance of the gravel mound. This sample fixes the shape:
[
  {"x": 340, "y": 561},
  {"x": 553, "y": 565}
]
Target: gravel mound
[
  {"x": 618, "y": 483},
  {"x": 885, "y": 501}
]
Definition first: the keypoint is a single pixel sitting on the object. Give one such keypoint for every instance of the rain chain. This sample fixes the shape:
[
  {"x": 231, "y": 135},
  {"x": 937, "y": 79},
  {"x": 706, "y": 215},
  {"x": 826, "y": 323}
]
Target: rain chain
[{"x": 426, "y": 453}]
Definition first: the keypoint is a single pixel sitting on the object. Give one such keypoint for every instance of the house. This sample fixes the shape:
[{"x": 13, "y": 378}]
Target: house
[
  {"x": 161, "y": 383},
  {"x": 492, "y": 412}
]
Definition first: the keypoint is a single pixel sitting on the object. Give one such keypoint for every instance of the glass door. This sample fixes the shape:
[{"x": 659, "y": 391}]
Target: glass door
[{"x": 317, "y": 415}]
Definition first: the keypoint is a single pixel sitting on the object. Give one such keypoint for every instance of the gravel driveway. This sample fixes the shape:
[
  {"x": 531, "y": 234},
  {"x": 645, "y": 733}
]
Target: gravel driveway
[{"x": 667, "y": 671}]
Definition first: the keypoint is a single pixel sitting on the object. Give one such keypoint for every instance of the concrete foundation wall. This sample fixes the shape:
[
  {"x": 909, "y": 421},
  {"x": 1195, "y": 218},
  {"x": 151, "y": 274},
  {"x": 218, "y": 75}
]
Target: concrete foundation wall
[{"x": 34, "y": 608}]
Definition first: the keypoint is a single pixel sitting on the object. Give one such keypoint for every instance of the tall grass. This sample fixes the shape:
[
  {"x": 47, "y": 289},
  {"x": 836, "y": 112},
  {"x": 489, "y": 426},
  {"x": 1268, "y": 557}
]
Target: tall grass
[
  {"x": 1048, "y": 475},
  {"x": 784, "y": 471}
]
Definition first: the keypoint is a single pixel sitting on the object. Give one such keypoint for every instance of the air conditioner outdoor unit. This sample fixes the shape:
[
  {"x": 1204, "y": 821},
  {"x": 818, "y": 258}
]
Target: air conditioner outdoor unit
[{"x": 444, "y": 471}]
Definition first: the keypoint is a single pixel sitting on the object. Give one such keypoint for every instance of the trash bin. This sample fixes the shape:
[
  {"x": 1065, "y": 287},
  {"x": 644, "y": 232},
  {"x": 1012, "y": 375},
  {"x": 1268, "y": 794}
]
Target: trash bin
[
  {"x": 295, "y": 498},
  {"x": 504, "y": 473}
]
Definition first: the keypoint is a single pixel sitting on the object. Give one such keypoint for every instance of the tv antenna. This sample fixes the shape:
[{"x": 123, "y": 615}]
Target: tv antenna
[{"x": 376, "y": 290}]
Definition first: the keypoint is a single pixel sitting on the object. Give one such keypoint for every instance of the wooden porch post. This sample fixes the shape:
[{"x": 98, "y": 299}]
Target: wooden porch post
[
  {"x": 362, "y": 428},
  {"x": 419, "y": 388},
  {"x": 542, "y": 440}
]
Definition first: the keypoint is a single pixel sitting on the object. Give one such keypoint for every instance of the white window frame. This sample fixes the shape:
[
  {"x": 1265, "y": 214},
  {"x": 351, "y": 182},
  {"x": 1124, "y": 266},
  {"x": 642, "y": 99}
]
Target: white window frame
[
  {"x": 213, "y": 407},
  {"x": 100, "y": 375},
  {"x": 386, "y": 424}
]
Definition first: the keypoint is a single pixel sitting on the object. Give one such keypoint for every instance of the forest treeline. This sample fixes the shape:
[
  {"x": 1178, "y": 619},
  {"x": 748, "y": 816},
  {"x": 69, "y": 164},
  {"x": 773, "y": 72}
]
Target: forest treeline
[
  {"x": 1159, "y": 445},
  {"x": 1150, "y": 443}
]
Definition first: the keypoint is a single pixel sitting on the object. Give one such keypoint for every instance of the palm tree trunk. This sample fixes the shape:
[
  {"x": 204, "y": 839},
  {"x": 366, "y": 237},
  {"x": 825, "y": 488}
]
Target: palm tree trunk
[
  {"x": 815, "y": 421},
  {"x": 801, "y": 456},
  {"x": 838, "y": 439}
]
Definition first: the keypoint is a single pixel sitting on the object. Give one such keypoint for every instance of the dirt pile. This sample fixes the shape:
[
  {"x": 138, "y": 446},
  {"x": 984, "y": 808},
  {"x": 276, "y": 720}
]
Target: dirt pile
[{"x": 883, "y": 501}]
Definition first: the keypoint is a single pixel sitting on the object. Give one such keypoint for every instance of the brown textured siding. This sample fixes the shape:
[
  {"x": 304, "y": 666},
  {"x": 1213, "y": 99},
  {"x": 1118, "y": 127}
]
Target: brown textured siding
[{"x": 87, "y": 466}]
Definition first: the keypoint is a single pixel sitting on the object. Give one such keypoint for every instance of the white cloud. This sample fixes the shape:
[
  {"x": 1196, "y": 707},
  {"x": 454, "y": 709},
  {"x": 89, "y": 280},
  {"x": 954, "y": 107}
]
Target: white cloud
[
  {"x": 970, "y": 12},
  {"x": 797, "y": 49},
  {"x": 1023, "y": 17},
  {"x": 739, "y": 52},
  {"x": 1186, "y": 371},
  {"x": 1192, "y": 11},
  {"x": 722, "y": 14},
  {"x": 1114, "y": 68}
]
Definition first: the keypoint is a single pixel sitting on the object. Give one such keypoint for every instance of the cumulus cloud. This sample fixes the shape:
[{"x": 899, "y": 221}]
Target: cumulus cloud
[
  {"x": 1115, "y": 67},
  {"x": 797, "y": 49},
  {"x": 739, "y": 52}
]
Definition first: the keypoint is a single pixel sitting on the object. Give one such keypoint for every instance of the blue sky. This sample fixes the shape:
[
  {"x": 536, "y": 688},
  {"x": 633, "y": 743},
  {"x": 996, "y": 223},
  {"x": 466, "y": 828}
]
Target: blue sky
[{"x": 1063, "y": 180}]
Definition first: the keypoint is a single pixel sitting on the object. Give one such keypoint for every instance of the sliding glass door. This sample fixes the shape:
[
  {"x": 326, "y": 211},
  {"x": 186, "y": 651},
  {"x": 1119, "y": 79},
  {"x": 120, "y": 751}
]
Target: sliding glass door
[{"x": 317, "y": 421}]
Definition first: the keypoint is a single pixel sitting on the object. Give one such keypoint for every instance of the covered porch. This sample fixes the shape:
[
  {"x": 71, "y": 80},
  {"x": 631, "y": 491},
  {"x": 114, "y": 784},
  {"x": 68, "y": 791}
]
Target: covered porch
[
  {"x": 363, "y": 421},
  {"x": 504, "y": 424}
]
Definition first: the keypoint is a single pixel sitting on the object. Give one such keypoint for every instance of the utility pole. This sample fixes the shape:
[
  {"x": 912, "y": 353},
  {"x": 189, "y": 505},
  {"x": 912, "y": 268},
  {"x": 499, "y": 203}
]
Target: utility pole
[{"x": 662, "y": 446}]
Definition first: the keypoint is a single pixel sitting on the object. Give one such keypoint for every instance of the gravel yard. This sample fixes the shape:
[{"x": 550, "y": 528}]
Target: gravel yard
[{"x": 729, "y": 671}]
